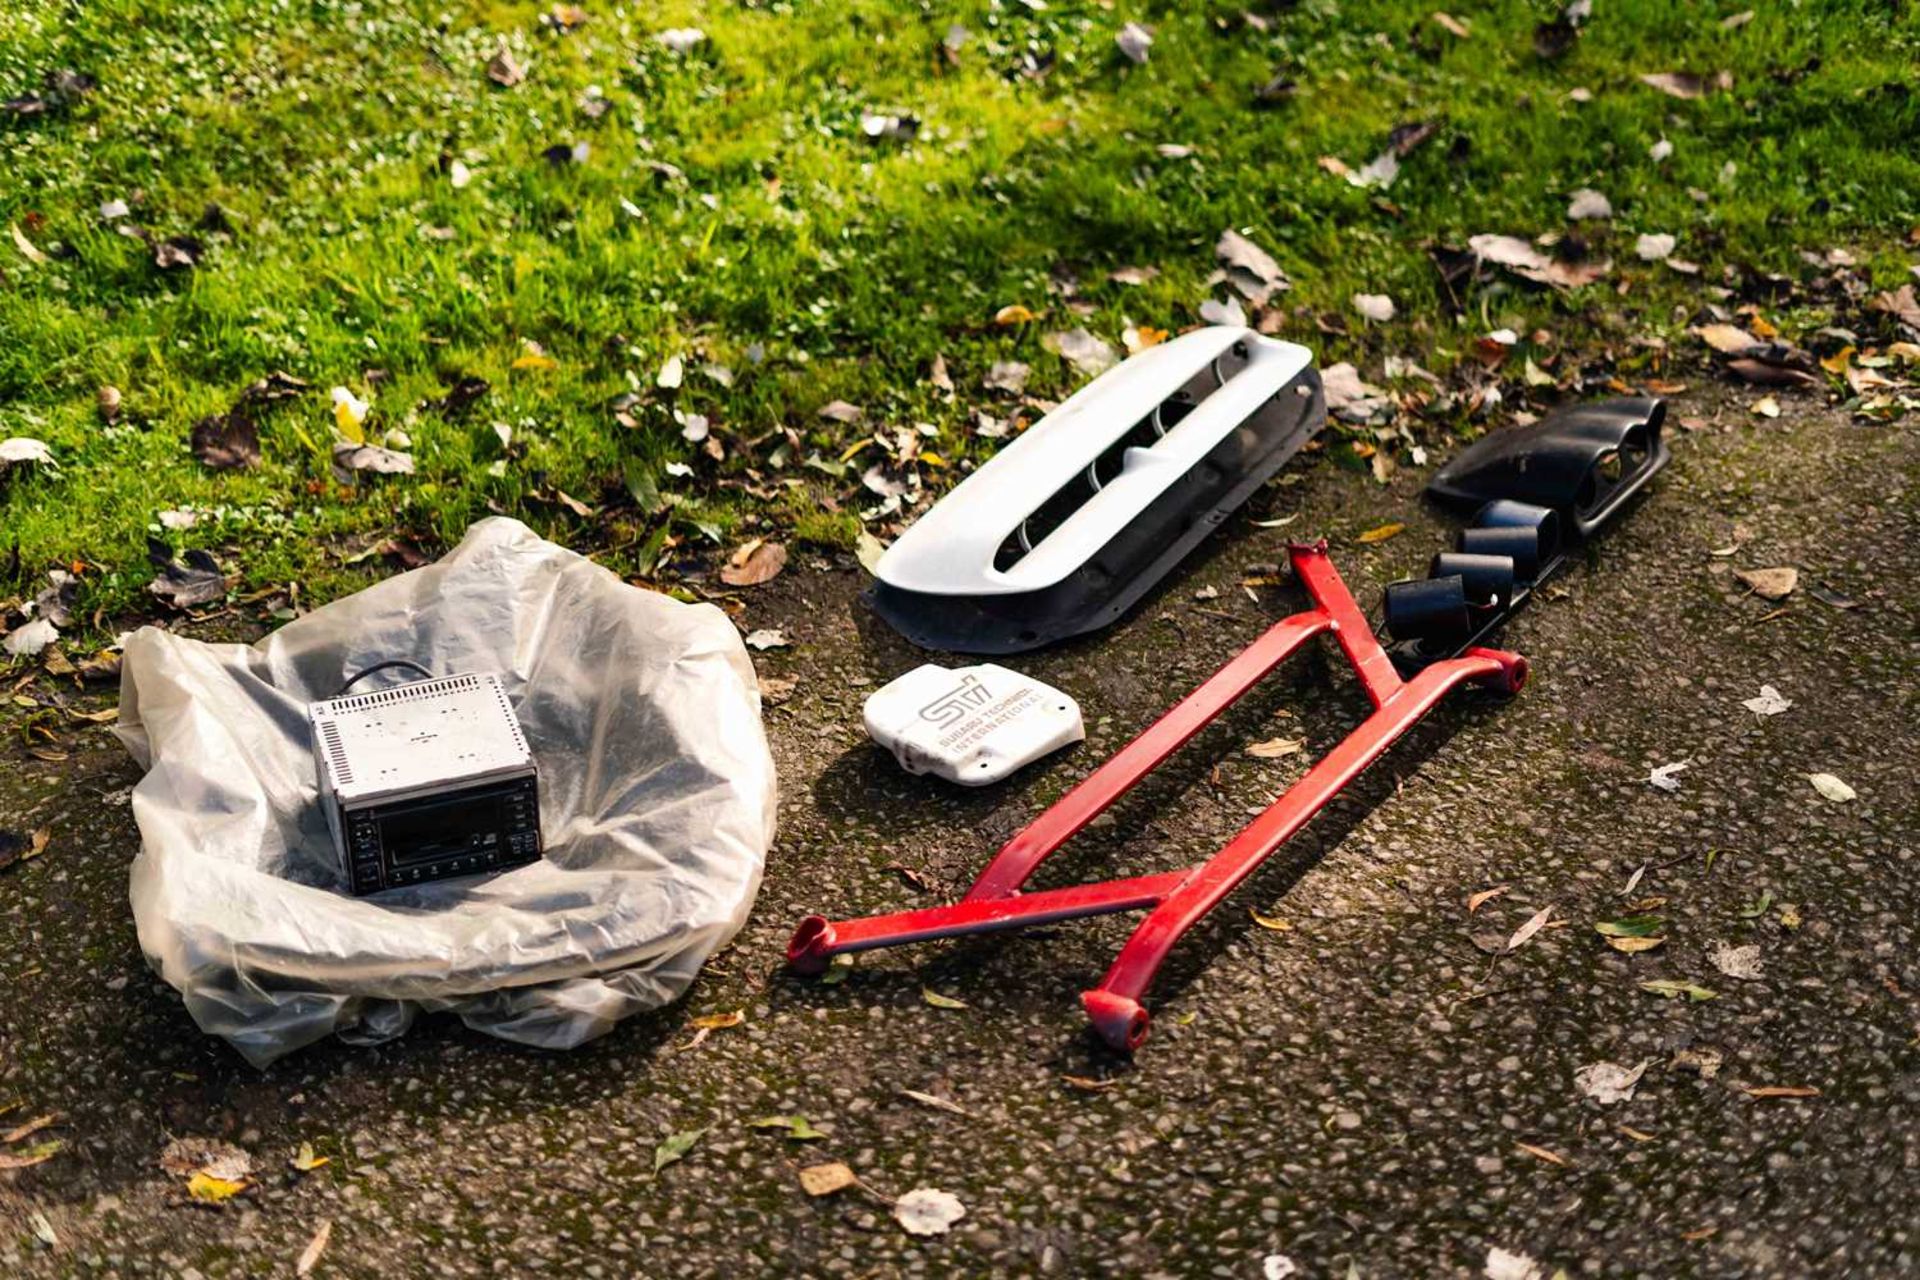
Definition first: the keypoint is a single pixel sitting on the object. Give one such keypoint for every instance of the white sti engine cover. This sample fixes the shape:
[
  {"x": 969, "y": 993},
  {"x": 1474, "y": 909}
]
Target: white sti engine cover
[
  {"x": 971, "y": 725},
  {"x": 1067, "y": 526}
]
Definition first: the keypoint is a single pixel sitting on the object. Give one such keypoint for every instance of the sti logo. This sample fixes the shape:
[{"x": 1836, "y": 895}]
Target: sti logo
[{"x": 954, "y": 704}]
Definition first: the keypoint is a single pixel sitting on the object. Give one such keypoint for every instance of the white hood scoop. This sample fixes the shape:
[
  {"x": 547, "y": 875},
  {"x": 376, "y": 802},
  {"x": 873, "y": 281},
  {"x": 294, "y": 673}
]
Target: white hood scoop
[{"x": 1071, "y": 523}]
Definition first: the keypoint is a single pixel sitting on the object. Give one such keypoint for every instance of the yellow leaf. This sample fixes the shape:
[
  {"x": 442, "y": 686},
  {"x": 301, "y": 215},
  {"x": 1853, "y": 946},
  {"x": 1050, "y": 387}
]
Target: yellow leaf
[
  {"x": 305, "y": 1161},
  {"x": 932, "y": 459},
  {"x": 1139, "y": 337},
  {"x": 715, "y": 1021},
  {"x": 1013, "y": 314},
  {"x": 1837, "y": 362},
  {"x": 1274, "y": 923},
  {"x": 208, "y": 1189},
  {"x": 536, "y": 360},
  {"x": 939, "y": 1001},
  {"x": 1631, "y": 945},
  {"x": 1380, "y": 534},
  {"x": 825, "y": 1179}
]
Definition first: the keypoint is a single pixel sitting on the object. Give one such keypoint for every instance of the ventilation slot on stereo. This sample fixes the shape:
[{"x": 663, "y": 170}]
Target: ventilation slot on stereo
[
  {"x": 407, "y": 693},
  {"x": 336, "y": 751},
  {"x": 1103, "y": 470}
]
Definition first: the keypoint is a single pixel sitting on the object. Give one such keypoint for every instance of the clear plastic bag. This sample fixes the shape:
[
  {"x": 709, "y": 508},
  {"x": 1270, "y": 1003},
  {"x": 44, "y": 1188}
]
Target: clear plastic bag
[{"x": 656, "y": 804}]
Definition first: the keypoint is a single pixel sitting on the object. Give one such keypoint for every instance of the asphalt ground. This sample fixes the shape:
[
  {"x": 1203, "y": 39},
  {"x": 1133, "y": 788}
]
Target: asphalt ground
[{"x": 1379, "y": 1088}]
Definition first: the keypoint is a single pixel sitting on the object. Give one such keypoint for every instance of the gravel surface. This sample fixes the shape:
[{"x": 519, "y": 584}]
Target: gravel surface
[{"x": 1378, "y": 1089}]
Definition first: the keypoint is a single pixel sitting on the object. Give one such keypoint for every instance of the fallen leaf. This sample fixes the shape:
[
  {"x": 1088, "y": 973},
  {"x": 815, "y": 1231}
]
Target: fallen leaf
[
  {"x": 1380, "y": 533},
  {"x": 675, "y": 1148},
  {"x": 1901, "y": 304},
  {"x": 1009, "y": 376},
  {"x": 1586, "y": 204},
  {"x": 1452, "y": 25},
  {"x": 535, "y": 360},
  {"x": 1781, "y": 1091},
  {"x": 305, "y": 1161},
  {"x": 939, "y": 1001},
  {"x": 1678, "y": 84},
  {"x": 1831, "y": 787},
  {"x": 28, "y": 640},
  {"x": 1525, "y": 932},
  {"x": 1726, "y": 338},
  {"x": 1349, "y": 397},
  {"x": 1377, "y": 307},
  {"x": 43, "y": 1230},
  {"x": 1133, "y": 275},
  {"x": 310, "y": 1256},
  {"x": 1082, "y": 350},
  {"x": 1503, "y": 1264},
  {"x": 1137, "y": 338},
  {"x": 208, "y": 1189},
  {"x": 19, "y": 450},
  {"x": 1767, "y": 407},
  {"x": 1521, "y": 258},
  {"x": 1670, "y": 988},
  {"x": 1274, "y": 923},
  {"x": 841, "y": 411},
  {"x": 754, "y": 563},
  {"x": 1633, "y": 946},
  {"x": 1134, "y": 40},
  {"x": 681, "y": 39},
  {"x": 226, "y": 441},
  {"x": 1012, "y": 314},
  {"x": 1768, "y": 703},
  {"x": 1278, "y": 1266},
  {"x": 27, "y": 248},
  {"x": 349, "y": 458},
  {"x": 182, "y": 585},
  {"x": 184, "y": 1157},
  {"x": 1214, "y": 311},
  {"x": 30, "y": 1128},
  {"x": 349, "y": 413},
  {"x": 1629, "y": 927},
  {"x": 1609, "y": 1082},
  {"x": 1249, "y": 268},
  {"x": 935, "y": 1101},
  {"x": 868, "y": 549},
  {"x": 504, "y": 69},
  {"x": 1541, "y": 1153},
  {"x": 38, "y": 1154},
  {"x": 1654, "y": 247},
  {"x": 795, "y": 1128},
  {"x": 1482, "y": 898},
  {"x": 1769, "y": 584},
  {"x": 718, "y": 1021},
  {"x": 1742, "y": 963},
  {"x": 1088, "y": 1084},
  {"x": 825, "y": 1179},
  {"x": 1276, "y": 748},
  {"x": 672, "y": 373},
  {"x": 768, "y": 638},
  {"x": 926, "y": 1211}
]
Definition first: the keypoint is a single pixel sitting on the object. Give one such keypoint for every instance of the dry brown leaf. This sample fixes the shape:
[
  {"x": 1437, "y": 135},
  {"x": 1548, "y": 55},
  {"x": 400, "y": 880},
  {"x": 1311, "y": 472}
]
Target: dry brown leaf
[
  {"x": 1525, "y": 932},
  {"x": 1541, "y": 1153},
  {"x": 31, "y": 1127},
  {"x": 310, "y": 1256},
  {"x": 1679, "y": 84},
  {"x": 504, "y": 69},
  {"x": 1088, "y": 1084},
  {"x": 1276, "y": 748},
  {"x": 31, "y": 1156},
  {"x": 754, "y": 563},
  {"x": 825, "y": 1179},
  {"x": 1452, "y": 25},
  {"x": 1482, "y": 898},
  {"x": 934, "y": 1100},
  {"x": 1727, "y": 339},
  {"x": 1769, "y": 584},
  {"x": 1634, "y": 945},
  {"x": 1781, "y": 1091}
]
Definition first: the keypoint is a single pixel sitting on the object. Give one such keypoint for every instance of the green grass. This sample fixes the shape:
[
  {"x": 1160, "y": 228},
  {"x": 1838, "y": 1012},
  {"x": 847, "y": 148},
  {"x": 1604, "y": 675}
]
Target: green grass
[{"x": 324, "y": 130}]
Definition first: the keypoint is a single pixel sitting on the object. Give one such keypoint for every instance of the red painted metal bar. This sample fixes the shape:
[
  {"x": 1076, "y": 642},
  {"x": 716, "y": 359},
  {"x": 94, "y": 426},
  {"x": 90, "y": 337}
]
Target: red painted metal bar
[{"x": 1176, "y": 900}]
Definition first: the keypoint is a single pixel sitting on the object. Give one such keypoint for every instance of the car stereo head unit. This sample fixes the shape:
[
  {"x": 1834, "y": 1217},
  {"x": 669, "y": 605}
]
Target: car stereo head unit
[{"x": 426, "y": 780}]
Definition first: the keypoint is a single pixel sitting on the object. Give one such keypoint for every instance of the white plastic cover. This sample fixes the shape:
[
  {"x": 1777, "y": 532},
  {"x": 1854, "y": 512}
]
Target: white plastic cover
[
  {"x": 656, "y": 806},
  {"x": 971, "y": 725}
]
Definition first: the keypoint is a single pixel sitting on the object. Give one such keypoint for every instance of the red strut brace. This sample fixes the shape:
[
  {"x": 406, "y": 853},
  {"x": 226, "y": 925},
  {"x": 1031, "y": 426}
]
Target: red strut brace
[{"x": 1175, "y": 900}]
